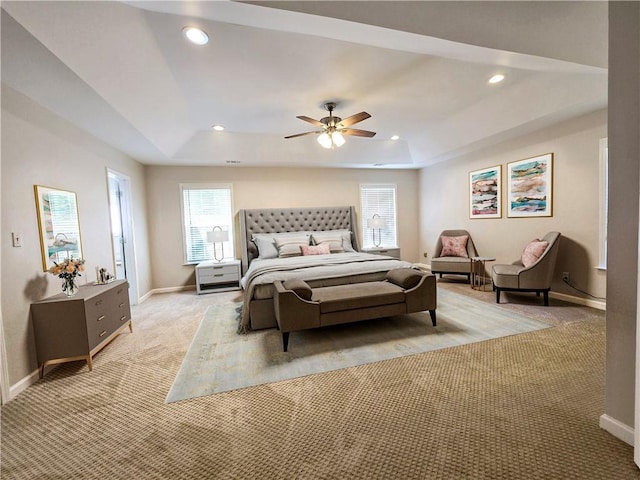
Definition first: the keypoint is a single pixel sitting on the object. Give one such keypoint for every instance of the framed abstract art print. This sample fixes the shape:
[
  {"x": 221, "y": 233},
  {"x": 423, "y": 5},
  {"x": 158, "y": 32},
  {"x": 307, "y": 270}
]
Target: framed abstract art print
[
  {"x": 530, "y": 187},
  {"x": 485, "y": 193}
]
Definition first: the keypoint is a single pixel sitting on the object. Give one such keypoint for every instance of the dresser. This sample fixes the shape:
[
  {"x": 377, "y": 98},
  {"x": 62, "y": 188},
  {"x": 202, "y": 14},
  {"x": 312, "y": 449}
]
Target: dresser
[
  {"x": 212, "y": 276},
  {"x": 76, "y": 328}
]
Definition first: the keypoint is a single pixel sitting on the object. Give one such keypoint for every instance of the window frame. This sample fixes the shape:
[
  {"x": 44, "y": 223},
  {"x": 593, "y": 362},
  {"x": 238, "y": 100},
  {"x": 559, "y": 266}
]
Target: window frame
[
  {"x": 392, "y": 223},
  {"x": 229, "y": 249}
]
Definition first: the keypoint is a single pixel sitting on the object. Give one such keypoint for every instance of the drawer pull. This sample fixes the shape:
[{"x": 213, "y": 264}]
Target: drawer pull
[
  {"x": 219, "y": 275},
  {"x": 217, "y": 268},
  {"x": 98, "y": 302},
  {"x": 123, "y": 318},
  {"x": 100, "y": 318},
  {"x": 103, "y": 333},
  {"x": 121, "y": 305},
  {"x": 119, "y": 292}
]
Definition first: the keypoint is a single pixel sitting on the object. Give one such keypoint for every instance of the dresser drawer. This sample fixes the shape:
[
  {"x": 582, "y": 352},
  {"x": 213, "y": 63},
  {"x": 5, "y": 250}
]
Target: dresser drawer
[{"x": 217, "y": 271}]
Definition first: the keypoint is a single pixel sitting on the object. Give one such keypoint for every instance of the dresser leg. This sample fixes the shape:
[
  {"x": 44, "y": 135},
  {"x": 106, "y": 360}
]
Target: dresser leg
[
  {"x": 130, "y": 326},
  {"x": 89, "y": 362},
  {"x": 42, "y": 370}
]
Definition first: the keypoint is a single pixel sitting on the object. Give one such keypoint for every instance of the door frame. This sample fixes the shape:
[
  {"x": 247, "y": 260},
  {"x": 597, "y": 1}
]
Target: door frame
[{"x": 127, "y": 231}]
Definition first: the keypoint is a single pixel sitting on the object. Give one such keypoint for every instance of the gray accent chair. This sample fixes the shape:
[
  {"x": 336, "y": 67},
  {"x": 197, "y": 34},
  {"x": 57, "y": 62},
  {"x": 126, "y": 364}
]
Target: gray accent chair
[
  {"x": 535, "y": 278},
  {"x": 453, "y": 265}
]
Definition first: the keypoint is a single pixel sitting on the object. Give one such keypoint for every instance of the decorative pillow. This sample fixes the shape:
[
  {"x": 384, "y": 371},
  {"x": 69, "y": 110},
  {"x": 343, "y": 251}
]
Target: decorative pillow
[
  {"x": 343, "y": 234},
  {"x": 266, "y": 242},
  {"x": 404, "y": 277},
  {"x": 322, "y": 249},
  {"x": 299, "y": 287},
  {"x": 290, "y": 246},
  {"x": 334, "y": 244},
  {"x": 454, "y": 246},
  {"x": 533, "y": 252},
  {"x": 266, "y": 246}
]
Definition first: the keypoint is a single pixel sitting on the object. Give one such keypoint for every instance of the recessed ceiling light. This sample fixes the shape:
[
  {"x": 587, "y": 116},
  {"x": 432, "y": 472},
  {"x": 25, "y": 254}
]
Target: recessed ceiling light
[
  {"x": 218, "y": 128},
  {"x": 496, "y": 78},
  {"x": 195, "y": 35},
  {"x": 395, "y": 137}
]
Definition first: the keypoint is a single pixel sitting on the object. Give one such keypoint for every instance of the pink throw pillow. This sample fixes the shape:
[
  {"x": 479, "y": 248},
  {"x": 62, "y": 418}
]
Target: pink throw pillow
[
  {"x": 454, "y": 246},
  {"x": 322, "y": 249},
  {"x": 533, "y": 251}
]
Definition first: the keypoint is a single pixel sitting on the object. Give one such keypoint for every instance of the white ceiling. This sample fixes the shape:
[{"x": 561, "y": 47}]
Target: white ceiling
[{"x": 123, "y": 72}]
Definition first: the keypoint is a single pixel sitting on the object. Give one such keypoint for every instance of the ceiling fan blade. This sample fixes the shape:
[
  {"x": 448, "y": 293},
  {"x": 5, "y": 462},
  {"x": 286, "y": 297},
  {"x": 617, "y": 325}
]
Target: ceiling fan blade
[
  {"x": 356, "y": 132},
  {"x": 301, "y": 134},
  {"x": 358, "y": 117},
  {"x": 317, "y": 123}
]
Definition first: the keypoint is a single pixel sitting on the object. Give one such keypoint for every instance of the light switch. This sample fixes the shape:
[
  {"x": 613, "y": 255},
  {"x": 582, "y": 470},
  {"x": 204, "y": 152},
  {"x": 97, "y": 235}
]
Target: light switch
[{"x": 17, "y": 239}]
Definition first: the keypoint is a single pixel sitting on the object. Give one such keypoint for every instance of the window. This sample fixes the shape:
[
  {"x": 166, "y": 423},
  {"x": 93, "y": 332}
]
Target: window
[
  {"x": 378, "y": 200},
  {"x": 204, "y": 207},
  {"x": 604, "y": 200}
]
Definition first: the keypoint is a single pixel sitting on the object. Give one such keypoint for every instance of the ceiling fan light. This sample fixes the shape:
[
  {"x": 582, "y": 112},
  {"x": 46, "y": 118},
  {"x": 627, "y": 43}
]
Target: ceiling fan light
[
  {"x": 338, "y": 139},
  {"x": 325, "y": 140}
]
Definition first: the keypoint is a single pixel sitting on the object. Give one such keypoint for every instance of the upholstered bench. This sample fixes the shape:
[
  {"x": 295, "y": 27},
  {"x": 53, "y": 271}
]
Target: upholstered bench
[{"x": 299, "y": 307}]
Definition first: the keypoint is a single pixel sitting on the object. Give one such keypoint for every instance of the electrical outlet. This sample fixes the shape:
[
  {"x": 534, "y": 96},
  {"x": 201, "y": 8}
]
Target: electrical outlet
[
  {"x": 17, "y": 239},
  {"x": 565, "y": 276},
  {"x": 425, "y": 254}
]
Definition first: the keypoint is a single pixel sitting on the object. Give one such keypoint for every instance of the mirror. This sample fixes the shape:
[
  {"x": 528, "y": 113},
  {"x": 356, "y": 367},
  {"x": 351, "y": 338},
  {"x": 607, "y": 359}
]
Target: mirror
[{"x": 58, "y": 224}]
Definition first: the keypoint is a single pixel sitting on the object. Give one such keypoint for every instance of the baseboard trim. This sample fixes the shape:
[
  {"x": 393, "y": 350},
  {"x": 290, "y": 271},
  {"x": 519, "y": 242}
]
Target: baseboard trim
[
  {"x": 618, "y": 429},
  {"x": 587, "y": 302},
  {"x": 20, "y": 386},
  {"x": 171, "y": 289},
  {"x": 145, "y": 297}
]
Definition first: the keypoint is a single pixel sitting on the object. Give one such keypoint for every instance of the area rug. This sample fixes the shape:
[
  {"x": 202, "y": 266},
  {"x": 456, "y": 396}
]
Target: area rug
[{"x": 219, "y": 359}]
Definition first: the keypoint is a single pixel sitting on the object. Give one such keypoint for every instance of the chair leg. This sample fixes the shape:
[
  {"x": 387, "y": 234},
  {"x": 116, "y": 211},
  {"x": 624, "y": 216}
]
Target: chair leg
[
  {"x": 546, "y": 298},
  {"x": 497, "y": 295},
  {"x": 285, "y": 341},
  {"x": 432, "y": 313}
]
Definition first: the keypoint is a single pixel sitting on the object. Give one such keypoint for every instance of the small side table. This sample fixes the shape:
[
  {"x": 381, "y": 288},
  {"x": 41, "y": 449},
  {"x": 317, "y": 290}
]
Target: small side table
[
  {"x": 213, "y": 276},
  {"x": 478, "y": 270},
  {"x": 390, "y": 251}
]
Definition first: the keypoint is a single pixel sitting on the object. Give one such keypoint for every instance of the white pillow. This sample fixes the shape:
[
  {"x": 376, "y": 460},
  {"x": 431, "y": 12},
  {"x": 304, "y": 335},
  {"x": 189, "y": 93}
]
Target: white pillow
[
  {"x": 266, "y": 242},
  {"x": 290, "y": 246}
]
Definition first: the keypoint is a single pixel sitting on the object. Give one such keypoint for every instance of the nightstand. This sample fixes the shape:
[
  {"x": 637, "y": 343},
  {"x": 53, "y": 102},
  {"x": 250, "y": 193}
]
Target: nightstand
[
  {"x": 389, "y": 252},
  {"x": 213, "y": 276}
]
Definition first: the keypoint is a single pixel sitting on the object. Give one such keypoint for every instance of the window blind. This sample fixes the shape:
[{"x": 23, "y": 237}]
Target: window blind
[
  {"x": 204, "y": 207},
  {"x": 379, "y": 199}
]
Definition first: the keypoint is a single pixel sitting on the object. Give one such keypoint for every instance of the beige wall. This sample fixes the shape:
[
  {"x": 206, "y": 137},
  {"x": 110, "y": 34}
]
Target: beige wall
[
  {"x": 575, "y": 145},
  {"x": 265, "y": 188},
  {"x": 39, "y": 148}
]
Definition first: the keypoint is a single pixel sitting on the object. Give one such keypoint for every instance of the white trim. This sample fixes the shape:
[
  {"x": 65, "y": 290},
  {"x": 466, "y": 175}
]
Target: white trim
[
  {"x": 587, "y": 302},
  {"x": 616, "y": 428},
  {"x": 5, "y": 390},
  {"x": 23, "y": 384},
  {"x": 603, "y": 155},
  {"x": 145, "y": 297},
  {"x": 128, "y": 229},
  {"x": 171, "y": 289}
]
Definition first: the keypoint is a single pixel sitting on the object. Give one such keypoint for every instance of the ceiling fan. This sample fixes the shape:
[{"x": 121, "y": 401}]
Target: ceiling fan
[{"x": 333, "y": 128}]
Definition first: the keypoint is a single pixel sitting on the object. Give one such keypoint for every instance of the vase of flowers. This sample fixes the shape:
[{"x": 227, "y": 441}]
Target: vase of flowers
[{"x": 68, "y": 271}]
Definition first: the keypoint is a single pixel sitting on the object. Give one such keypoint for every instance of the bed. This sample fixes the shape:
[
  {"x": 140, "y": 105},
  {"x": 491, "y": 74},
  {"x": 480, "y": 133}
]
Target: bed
[{"x": 270, "y": 242}]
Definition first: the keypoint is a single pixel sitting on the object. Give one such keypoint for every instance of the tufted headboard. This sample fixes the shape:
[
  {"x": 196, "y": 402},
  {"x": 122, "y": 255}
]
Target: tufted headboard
[{"x": 274, "y": 220}]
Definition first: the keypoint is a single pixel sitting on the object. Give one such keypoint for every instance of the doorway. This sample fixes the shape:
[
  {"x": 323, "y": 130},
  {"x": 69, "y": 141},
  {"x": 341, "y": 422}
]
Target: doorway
[{"x": 122, "y": 239}]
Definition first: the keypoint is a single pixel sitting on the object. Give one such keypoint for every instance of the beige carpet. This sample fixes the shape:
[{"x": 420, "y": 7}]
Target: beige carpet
[{"x": 520, "y": 407}]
